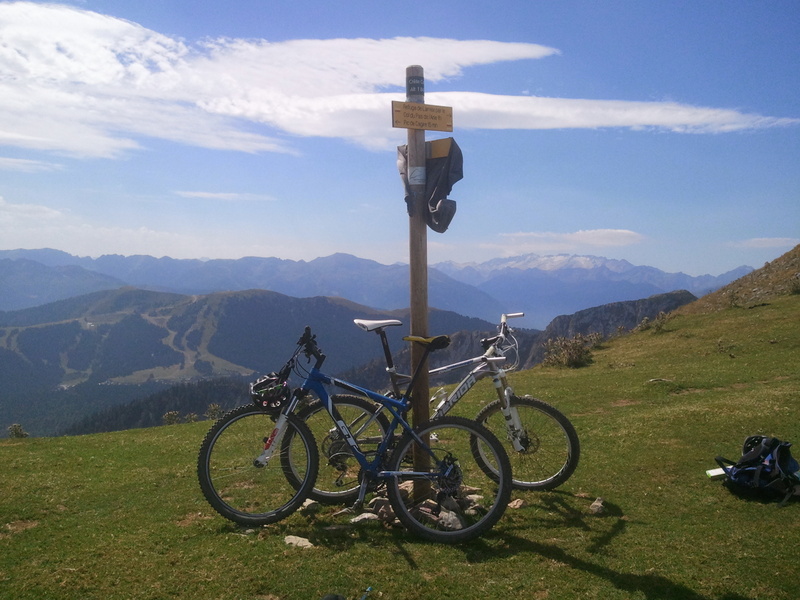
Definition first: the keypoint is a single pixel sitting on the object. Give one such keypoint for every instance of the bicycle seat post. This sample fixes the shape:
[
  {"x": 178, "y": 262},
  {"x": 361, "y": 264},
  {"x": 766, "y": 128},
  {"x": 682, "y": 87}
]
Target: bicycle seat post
[{"x": 390, "y": 368}]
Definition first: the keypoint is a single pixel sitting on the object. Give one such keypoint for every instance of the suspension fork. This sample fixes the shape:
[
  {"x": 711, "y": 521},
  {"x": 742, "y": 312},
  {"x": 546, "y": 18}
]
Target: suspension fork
[
  {"x": 505, "y": 392},
  {"x": 272, "y": 442}
]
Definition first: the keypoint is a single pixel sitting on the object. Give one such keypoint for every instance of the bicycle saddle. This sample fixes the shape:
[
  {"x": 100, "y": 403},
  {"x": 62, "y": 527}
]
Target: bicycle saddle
[
  {"x": 368, "y": 325},
  {"x": 438, "y": 342}
]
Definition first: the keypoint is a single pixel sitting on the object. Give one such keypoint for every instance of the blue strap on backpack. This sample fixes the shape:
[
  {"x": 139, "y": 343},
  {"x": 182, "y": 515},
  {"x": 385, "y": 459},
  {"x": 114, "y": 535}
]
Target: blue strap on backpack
[{"x": 766, "y": 465}]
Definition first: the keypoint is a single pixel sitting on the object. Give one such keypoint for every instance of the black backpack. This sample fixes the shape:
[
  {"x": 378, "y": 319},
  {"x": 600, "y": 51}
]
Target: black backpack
[{"x": 766, "y": 465}]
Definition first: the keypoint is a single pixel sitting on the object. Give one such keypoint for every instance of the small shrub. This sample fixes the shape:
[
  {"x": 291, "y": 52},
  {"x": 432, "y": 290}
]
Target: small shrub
[
  {"x": 172, "y": 417},
  {"x": 191, "y": 418},
  {"x": 657, "y": 325},
  {"x": 214, "y": 411},
  {"x": 16, "y": 431},
  {"x": 733, "y": 299},
  {"x": 794, "y": 285},
  {"x": 571, "y": 352}
]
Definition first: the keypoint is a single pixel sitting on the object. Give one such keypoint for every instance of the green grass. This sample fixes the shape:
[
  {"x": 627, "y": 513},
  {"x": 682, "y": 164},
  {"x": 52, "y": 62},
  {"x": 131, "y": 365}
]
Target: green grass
[{"x": 121, "y": 515}]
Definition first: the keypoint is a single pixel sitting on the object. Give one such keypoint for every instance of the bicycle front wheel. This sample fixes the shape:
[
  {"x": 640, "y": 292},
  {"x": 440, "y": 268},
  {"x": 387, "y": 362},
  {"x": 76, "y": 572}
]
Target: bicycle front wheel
[
  {"x": 446, "y": 496},
  {"x": 243, "y": 492},
  {"x": 338, "y": 480},
  {"x": 544, "y": 453}
]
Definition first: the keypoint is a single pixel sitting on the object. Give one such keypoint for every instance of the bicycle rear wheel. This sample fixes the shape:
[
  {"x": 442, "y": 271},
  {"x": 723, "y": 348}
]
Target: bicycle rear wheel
[
  {"x": 550, "y": 448},
  {"x": 338, "y": 480},
  {"x": 451, "y": 499},
  {"x": 243, "y": 492}
]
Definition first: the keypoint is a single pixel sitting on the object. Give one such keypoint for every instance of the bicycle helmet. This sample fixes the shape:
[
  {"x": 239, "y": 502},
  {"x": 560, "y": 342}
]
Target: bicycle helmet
[{"x": 270, "y": 391}]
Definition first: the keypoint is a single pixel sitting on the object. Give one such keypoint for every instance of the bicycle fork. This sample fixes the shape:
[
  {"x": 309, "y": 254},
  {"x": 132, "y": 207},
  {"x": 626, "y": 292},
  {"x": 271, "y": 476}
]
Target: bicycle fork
[
  {"x": 272, "y": 442},
  {"x": 514, "y": 427}
]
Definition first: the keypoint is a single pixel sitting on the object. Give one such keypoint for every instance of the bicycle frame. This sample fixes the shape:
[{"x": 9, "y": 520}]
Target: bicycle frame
[
  {"x": 488, "y": 366},
  {"x": 319, "y": 383}
]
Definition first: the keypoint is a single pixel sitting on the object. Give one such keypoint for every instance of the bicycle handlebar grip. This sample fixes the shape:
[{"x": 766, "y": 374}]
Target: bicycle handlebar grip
[
  {"x": 309, "y": 342},
  {"x": 512, "y": 315}
]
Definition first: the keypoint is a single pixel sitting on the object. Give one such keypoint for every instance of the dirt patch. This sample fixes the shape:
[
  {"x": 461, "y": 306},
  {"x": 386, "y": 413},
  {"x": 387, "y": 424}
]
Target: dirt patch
[
  {"x": 17, "y": 527},
  {"x": 625, "y": 402},
  {"x": 192, "y": 518}
]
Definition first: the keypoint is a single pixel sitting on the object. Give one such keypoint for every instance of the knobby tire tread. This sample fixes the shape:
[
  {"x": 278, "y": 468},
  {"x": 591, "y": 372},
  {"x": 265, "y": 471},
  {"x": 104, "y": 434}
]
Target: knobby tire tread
[
  {"x": 262, "y": 423},
  {"x": 551, "y": 477}
]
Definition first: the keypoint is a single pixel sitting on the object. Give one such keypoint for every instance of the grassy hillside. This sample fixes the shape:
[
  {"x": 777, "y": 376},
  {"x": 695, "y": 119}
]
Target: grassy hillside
[{"x": 121, "y": 516}]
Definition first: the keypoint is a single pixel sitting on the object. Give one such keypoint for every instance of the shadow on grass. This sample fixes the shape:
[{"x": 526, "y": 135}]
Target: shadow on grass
[
  {"x": 556, "y": 503},
  {"x": 649, "y": 586},
  {"x": 561, "y": 510},
  {"x": 550, "y": 510},
  {"x": 652, "y": 586}
]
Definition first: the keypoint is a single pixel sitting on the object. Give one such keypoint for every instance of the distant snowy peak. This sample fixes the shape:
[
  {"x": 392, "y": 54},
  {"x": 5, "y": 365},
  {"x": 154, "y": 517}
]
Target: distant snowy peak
[
  {"x": 543, "y": 263},
  {"x": 569, "y": 261}
]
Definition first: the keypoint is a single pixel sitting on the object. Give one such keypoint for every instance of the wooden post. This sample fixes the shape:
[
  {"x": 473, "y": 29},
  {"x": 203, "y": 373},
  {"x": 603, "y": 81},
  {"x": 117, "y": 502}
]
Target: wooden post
[{"x": 418, "y": 246}]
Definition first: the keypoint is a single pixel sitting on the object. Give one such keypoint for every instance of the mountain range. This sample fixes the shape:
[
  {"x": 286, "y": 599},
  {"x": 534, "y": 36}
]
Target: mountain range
[
  {"x": 81, "y": 335},
  {"x": 541, "y": 286},
  {"x": 63, "y": 361}
]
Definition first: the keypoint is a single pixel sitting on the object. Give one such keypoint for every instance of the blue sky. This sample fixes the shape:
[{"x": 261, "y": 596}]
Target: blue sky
[{"x": 663, "y": 133}]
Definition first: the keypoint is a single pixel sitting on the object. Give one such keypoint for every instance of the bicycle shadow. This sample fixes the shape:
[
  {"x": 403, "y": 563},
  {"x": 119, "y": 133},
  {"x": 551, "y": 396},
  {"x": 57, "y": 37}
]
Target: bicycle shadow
[
  {"x": 559, "y": 509},
  {"x": 554, "y": 509},
  {"x": 650, "y": 586}
]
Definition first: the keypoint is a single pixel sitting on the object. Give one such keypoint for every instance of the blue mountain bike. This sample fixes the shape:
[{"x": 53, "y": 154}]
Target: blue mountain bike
[{"x": 259, "y": 462}]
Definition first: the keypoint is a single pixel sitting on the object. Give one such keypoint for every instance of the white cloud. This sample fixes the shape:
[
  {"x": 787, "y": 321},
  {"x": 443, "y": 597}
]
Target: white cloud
[
  {"x": 21, "y": 216},
  {"x": 87, "y": 84},
  {"x": 38, "y": 226},
  {"x": 487, "y": 111},
  {"x": 28, "y": 166},
  {"x": 226, "y": 196}
]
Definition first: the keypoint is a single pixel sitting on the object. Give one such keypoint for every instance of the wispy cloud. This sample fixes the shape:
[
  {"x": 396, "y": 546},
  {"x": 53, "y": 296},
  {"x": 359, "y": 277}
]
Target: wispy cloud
[
  {"x": 28, "y": 166},
  {"x": 226, "y": 196},
  {"x": 14, "y": 216},
  {"x": 487, "y": 111},
  {"x": 87, "y": 84},
  {"x": 38, "y": 226}
]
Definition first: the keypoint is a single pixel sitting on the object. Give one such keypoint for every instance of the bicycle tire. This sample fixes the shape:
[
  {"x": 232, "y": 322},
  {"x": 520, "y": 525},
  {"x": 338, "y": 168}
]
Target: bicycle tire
[
  {"x": 338, "y": 478},
  {"x": 463, "y": 502},
  {"x": 551, "y": 445},
  {"x": 242, "y": 492}
]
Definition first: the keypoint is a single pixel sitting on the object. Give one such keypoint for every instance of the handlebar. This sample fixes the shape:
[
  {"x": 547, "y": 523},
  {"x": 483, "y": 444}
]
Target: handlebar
[
  {"x": 511, "y": 316},
  {"x": 308, "y": 342}
]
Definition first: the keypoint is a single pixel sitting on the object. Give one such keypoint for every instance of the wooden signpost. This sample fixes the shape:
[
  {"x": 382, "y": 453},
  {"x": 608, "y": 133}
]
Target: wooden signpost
[{"x": 417, "y": 117}]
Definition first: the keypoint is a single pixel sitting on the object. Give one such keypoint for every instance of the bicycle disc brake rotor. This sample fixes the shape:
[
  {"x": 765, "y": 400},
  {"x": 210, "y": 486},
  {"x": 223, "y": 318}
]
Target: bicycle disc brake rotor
[{"x": 530, "y": 442}]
